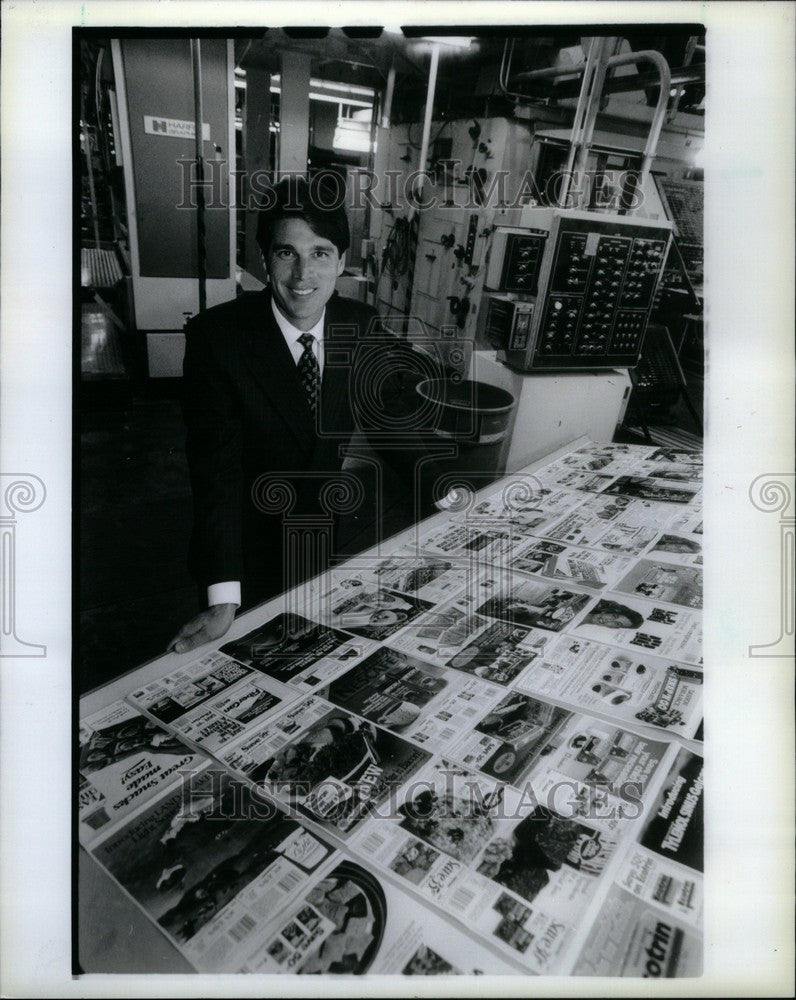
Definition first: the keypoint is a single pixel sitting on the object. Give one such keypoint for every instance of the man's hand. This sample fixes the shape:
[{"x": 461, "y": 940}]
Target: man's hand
[{"x": 208, "y": 625}]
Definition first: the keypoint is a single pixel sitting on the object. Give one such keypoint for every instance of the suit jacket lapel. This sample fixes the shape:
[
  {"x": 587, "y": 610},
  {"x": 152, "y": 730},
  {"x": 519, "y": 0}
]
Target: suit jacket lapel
[{"x": 275, "y": 370}]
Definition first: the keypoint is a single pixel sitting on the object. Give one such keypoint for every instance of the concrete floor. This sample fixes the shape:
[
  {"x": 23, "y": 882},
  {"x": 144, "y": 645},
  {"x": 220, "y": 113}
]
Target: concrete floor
[{"x": 135, "y": 591}]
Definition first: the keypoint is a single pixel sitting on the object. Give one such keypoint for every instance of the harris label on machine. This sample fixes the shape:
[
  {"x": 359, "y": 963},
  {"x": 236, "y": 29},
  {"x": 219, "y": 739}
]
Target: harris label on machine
[{"x": 176, "y": 128}]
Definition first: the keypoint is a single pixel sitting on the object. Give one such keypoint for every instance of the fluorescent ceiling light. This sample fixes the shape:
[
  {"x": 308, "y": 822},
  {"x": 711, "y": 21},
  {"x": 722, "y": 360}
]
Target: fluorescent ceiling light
[
  {"x": 452, "y": 41},
  {"x": 344, "y": 88},
  {"x": 340, "y": 99}
]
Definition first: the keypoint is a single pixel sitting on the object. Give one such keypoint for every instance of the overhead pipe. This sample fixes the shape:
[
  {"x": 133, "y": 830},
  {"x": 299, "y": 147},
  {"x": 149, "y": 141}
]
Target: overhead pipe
[
  {"x": 547, "y": 73},
  {"x": 568, "y": 89},
  {"x": 629, "y": 58},
  {"x": 593, "y": 53},
  {"x": 595, "y": 87}
]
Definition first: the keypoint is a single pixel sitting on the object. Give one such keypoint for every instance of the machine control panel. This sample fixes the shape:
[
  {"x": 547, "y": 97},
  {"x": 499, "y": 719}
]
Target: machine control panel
[
  {"x": 505, "y": 321},
  {"x": 572, "y": 265},
  {"x": 644, "y": 269},
  {"x": 519, "y": 258},
  {"x": 560, "y": 326},
  {"x": 595, "y": 278},
  {"x": 523, "y": 262}
]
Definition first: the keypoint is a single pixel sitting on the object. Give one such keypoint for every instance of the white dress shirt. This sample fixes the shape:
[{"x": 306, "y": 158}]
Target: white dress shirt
[{"x": 292, "y": 333}]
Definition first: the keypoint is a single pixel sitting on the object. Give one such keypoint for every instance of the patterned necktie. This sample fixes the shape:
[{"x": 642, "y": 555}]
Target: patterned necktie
[{"x": 309, "y": 371}]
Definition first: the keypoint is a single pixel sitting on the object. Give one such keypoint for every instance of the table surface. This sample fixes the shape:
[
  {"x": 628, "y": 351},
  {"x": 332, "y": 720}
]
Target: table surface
[
  {"x": 114, "y": 934},
  {"x": 101, "y": 697}
]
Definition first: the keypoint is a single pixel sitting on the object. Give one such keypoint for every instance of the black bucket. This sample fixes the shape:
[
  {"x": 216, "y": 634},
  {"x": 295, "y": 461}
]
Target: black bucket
[{"x": 472, "y": 412}]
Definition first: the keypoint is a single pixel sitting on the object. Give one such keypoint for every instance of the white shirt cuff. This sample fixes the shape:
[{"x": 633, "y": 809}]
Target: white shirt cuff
[{"x": 224, "y": 593}]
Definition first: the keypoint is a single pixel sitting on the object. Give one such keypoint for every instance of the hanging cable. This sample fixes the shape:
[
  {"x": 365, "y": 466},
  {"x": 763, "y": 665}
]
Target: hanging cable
[{"x": 395, "y": 258}]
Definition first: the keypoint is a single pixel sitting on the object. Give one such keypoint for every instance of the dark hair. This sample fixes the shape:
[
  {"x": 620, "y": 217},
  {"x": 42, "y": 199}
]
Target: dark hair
[{"x": 320, "y": 202}]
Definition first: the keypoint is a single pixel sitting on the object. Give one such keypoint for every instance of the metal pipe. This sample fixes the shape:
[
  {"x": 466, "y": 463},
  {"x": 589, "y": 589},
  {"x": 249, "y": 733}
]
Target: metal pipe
[
  {"x": 551, "y": 72},
  {"x": 548, "y": 73},
  {"x": 196, "y": 67},
  {"x": 650, "y": 55},
  {"x": 508, "y": 47},
  {"x": 577, "y": 124},
  {"x": 378, "y": 159},
  {"x": 629, "y": 58},
  {"x": 565, "y": 90},
  {"x": 372, "y": 147},
  {"x": 598, "y": 71},
  {"x": 387, "y": 109},
  {"x": 598, "y": 83},
  {"x": 432, "y": 86}
]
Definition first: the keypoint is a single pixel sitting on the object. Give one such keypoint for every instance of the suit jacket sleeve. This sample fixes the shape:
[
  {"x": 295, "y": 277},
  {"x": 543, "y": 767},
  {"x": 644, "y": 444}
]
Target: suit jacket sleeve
[{"x": 214, "y": 452}]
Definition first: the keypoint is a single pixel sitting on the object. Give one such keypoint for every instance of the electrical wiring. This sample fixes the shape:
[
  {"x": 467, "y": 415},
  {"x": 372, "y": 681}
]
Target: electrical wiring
[{"x": 395, "y": 257}]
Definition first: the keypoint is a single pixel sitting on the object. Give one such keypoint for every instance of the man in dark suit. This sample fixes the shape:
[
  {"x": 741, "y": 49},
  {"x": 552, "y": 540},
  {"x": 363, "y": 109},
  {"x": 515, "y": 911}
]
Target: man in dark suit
[{"x": 271, "y": 383}]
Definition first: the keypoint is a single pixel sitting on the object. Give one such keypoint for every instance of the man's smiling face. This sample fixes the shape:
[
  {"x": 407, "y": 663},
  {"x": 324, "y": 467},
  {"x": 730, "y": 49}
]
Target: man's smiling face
[{"x": 303, "y": 268}]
